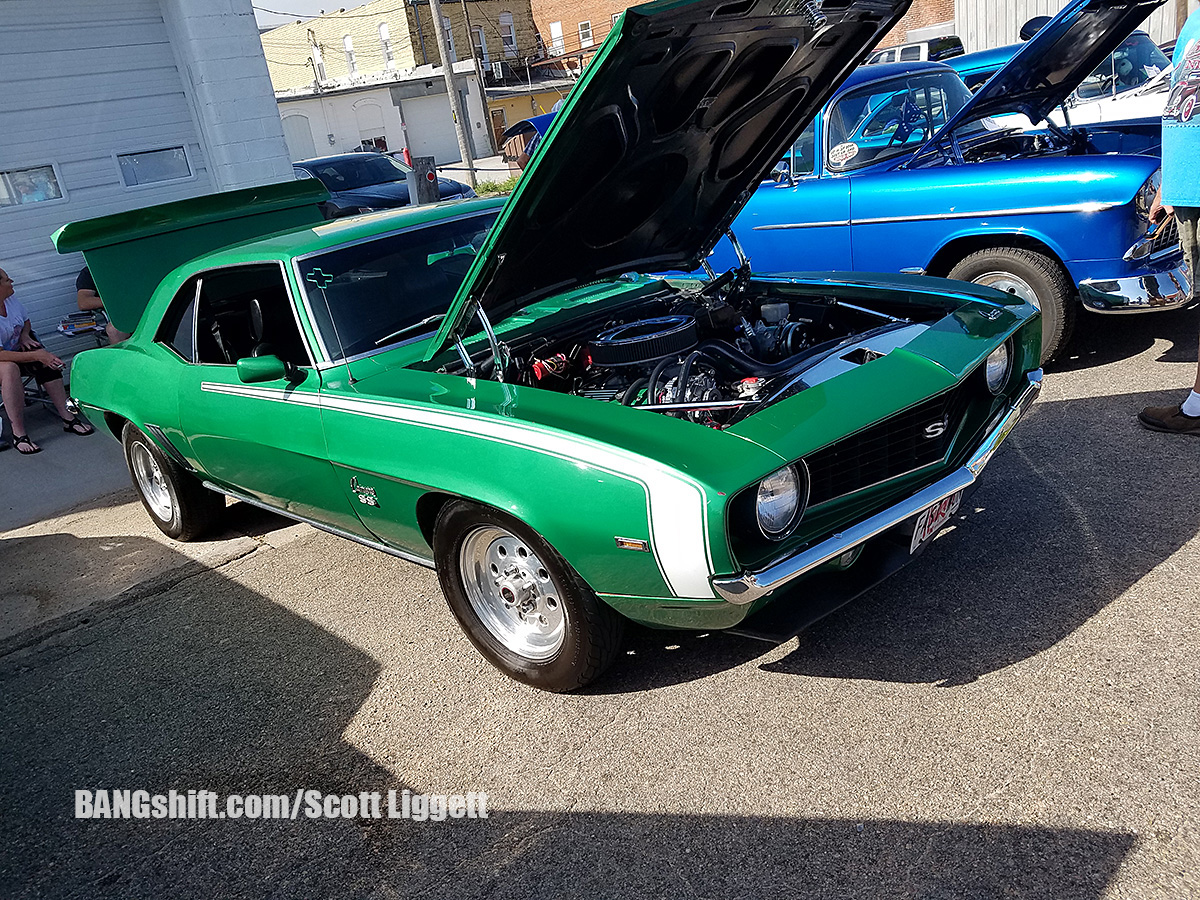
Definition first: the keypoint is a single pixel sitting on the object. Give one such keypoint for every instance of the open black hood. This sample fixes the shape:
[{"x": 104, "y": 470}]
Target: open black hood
[
  {"x": 1064, "y": 51},
  {"x": 685, "y": 109}
]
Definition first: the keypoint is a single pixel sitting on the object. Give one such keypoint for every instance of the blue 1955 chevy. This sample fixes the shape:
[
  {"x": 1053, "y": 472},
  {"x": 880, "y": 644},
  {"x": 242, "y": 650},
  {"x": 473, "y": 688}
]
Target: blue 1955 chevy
[{"x": 905, "y": 171}]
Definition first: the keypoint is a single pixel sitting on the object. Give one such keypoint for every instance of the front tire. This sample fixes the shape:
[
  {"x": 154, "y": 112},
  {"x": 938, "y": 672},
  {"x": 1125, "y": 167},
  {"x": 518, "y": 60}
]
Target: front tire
[
  {"x": 520, "y": 603},
  {"x": 1032, "y": 276},
  {"x": 180, "y": 506}
]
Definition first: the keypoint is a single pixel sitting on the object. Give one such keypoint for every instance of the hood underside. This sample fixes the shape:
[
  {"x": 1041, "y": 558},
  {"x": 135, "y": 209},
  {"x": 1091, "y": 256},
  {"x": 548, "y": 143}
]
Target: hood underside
[
  {"x": 1043, "y": 73},
  {"x": 685, "y": 109}
]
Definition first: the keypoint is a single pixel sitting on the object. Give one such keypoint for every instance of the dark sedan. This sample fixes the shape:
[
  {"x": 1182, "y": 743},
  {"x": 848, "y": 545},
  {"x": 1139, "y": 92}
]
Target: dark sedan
[{"x": 361, "y": 182}]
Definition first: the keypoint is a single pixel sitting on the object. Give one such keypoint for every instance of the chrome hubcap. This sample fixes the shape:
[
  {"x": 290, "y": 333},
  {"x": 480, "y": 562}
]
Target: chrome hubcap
[
  {"x": 1010, "y": 284},
  {"x": 512, "y": 592},
  {"x": 150, "y": 481}
]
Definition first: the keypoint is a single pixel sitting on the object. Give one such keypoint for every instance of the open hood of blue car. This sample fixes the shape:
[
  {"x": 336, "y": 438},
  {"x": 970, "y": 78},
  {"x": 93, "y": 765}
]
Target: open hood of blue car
[
  {"x": 684, "y": 110},
  {"x": 1055, "y": 61}
]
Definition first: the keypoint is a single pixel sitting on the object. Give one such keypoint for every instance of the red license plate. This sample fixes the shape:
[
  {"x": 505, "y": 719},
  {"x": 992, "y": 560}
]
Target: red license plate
[{"x": 933, "y": 519}]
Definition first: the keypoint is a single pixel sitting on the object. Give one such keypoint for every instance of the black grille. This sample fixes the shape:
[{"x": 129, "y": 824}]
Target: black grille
[{"x": 887, "y": 449}]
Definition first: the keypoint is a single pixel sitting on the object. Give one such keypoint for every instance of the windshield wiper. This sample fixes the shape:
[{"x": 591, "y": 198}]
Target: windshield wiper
[{"x": 428, "y": 320}]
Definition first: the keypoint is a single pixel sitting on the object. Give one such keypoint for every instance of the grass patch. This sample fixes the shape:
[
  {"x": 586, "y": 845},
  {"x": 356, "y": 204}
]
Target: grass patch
[{"x": 496, "y": 188}]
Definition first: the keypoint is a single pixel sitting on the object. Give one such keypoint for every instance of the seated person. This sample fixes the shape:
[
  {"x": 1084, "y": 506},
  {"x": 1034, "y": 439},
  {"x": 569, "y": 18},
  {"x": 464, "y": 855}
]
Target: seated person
[
  {"x": 21, "y": 356},
  {"x": 86, "y": 296}
]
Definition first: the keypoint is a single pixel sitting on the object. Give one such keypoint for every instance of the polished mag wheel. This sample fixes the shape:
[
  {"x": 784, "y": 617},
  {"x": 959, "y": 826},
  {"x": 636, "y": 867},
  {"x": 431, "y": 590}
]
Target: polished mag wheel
[
  {"x": 521, "y": 604},
  {"x": 512, "y": 592},
  {"x": 179, "y": 504},
  {"x": 150, "y": 482}
]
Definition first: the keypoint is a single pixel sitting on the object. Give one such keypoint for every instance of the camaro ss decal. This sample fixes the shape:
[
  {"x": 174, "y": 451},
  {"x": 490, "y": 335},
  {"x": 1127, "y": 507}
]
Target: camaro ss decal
[{"x": 678, "y": 532}]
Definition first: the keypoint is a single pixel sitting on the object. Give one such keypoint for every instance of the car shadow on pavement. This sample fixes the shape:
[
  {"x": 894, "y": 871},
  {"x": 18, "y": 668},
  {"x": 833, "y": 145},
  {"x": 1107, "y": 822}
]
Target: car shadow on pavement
[
  {"x": 1099, "y": 340},
  {"x": 213, "y": 686},
  {"x": 1079, "y": 506}
]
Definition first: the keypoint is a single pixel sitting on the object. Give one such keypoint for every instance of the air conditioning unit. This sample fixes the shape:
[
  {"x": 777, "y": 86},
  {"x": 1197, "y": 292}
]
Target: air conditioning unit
[{"x": 498, "y": 70}]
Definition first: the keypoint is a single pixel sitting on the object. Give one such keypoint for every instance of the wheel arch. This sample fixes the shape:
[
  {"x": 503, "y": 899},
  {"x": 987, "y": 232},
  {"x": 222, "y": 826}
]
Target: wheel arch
[{"x": 960, "y": 247}]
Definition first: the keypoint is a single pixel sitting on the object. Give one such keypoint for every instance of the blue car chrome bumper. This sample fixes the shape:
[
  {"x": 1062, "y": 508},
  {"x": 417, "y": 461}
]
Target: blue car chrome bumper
[
  {"x": 1170, "y": 288},
  {"x": 750, "y": 586}
]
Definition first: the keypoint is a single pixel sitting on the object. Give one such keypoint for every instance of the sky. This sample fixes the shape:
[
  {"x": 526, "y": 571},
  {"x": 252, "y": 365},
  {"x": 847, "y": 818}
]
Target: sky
[{"x": 268, "y": 14}]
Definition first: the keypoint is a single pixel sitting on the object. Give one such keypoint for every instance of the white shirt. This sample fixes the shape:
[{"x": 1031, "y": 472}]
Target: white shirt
[{"x": 11, "y": 324}]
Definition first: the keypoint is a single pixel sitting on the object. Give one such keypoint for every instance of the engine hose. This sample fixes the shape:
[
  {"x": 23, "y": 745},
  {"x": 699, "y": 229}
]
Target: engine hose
[
  {"x": 658, "y": 370},
  {"x": 684, "y": 374},
  {"x": 728, "y": 358},
  {"x": 631, "y": 392}
]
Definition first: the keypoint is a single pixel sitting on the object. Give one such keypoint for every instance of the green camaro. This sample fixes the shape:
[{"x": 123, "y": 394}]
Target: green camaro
[{"x": 499, "y": 389}]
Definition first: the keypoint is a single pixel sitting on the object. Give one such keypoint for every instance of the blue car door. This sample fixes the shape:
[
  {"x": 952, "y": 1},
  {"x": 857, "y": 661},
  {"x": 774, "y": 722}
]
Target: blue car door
[{"x": 798, "y": 221}]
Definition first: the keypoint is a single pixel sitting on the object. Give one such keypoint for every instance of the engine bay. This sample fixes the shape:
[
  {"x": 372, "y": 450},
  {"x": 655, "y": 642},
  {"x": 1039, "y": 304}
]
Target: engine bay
[{"x": 712, "y": 356}]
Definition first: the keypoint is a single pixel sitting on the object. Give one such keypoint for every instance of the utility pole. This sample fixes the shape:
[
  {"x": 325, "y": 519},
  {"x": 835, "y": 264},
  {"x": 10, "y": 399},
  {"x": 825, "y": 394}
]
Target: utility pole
[
  {"x": 478, "y": 72},
  {"x": 459, "y": 113}
]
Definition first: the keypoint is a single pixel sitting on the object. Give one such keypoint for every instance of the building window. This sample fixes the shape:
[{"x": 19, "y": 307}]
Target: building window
[
  {"x": 36, "y": 184},
  {"x": 449, "y": 38},
  {"x": 478, "y": 42},
  {"x": 153, "y": 166},
  {"x": 557, "y": 45},
  {"x": 348, "y": 46},
  {"x": 385, "y": 41},
  {"x": 508, "y": 35},
  {"x": 585, "y": 34}
]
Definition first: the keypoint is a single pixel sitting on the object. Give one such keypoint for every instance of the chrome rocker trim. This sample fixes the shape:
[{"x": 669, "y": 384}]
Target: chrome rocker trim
[
  {"x": 321, "y": 526},
  {"x": 750, "y": 586},
  {"x": 1158, "y": 291}
]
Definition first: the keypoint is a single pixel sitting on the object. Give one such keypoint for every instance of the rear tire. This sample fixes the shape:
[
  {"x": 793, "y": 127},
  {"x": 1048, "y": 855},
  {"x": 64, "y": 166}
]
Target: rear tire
[
  {"x": 521, "y": 604},
  {"x": 180, "y": 505},
  {"x": 1031, "y": 276}
]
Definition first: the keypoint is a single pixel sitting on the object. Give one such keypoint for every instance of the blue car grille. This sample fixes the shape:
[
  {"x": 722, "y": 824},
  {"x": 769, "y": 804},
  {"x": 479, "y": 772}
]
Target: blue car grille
[
  {"x": 910, "y": 440},
  {"x": 1166, "y": 237}
]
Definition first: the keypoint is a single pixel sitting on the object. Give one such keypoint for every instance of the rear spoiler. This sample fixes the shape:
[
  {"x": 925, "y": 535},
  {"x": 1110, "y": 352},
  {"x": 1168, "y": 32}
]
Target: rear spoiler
[{"x": 129, "y": 253}]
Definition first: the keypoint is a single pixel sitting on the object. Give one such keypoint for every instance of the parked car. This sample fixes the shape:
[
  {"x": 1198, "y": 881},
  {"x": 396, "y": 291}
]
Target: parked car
[
  {"x": 1131, "y": 83},
  {"x": 933, "y": 50},
  {"x": 906, "y": 171},
  {"x": 365, "y": 181},
  {"x": 498, "y": 389}
]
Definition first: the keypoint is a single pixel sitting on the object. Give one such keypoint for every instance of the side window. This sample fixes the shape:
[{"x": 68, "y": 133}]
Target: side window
[
  {"x": 245, "y": 311},
  {"x": 804, "y": 152},
  {"x": 178, "y": 328},
  {"x": 909, "y": 54}
]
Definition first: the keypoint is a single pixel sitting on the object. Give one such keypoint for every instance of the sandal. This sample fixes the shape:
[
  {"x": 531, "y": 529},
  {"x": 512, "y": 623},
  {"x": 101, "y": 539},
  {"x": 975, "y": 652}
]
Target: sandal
[
  {"x": 19, "y": 439},
  {"x": 76, "y": 425}
]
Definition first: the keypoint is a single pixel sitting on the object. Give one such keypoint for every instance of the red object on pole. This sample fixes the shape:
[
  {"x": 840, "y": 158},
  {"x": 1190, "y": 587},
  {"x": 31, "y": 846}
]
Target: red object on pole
[{"x": 407, "y": 158}]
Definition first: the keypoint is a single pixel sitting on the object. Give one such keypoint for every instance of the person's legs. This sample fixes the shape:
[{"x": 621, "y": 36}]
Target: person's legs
[
  {"x": 12, "y": 389},
  {"x": 1184, "y": 418},
  {"x": 52, "y": 382}
]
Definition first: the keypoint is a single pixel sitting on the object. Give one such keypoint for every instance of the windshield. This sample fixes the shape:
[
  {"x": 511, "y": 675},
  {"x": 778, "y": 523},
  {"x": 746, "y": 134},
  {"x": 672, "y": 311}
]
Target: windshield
[
  {"x": 1131, "y": 65},
  {"x": 391, "y": 289},
  {"x": 889, "y": 118},
  {"x": 358, "y": 172}
]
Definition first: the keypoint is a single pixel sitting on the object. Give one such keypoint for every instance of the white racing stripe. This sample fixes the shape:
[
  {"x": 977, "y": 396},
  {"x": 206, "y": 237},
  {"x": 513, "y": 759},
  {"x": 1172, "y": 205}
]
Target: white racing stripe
[{"x": 677, "y": 522}]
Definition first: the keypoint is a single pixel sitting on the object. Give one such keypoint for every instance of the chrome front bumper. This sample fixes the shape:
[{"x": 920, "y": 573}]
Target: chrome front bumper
[
  {"x": 750, "y": 586},
  {"x": 1169, "y": 289}
]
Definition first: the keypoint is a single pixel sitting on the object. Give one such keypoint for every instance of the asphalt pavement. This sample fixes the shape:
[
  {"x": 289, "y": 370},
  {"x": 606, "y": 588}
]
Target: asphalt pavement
[{"x": 1014, "y": 715}]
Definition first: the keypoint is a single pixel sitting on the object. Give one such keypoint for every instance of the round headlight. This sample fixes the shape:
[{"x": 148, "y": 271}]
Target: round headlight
[
  {"x": 999, "y": 364},
  {"x": 779, "y": 502}
]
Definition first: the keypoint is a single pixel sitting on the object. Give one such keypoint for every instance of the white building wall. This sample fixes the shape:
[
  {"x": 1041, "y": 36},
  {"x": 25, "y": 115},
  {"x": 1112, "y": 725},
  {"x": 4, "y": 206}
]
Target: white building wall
[
  {"x": 983, "y": 24},
  {"x": 335, "y": 114},
  {"x": 334, "y": 118},
  {"x": 85, "y": 81}
]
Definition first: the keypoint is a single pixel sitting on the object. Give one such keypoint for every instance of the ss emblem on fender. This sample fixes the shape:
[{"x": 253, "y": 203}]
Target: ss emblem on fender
[
  {"x": 935, "y": 429},
  {"x": 366, "y": 495}
]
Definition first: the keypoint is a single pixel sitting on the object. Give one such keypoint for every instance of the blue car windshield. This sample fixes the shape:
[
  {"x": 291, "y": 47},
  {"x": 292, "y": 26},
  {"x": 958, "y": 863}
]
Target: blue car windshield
[
  {"x": 358, "y": 172},
  {"x": 890, "y": 118},
  {"x": 1131, "y": 65}
]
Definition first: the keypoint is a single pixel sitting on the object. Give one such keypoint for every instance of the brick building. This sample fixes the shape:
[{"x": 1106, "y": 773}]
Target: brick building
[
  {"x": 575, "y": 27},
  {"x": 924, "y": 20}
]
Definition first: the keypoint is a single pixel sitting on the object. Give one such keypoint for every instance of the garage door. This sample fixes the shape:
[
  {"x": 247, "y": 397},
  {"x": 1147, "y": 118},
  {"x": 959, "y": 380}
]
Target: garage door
[{"x": 430, "y": 129}]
